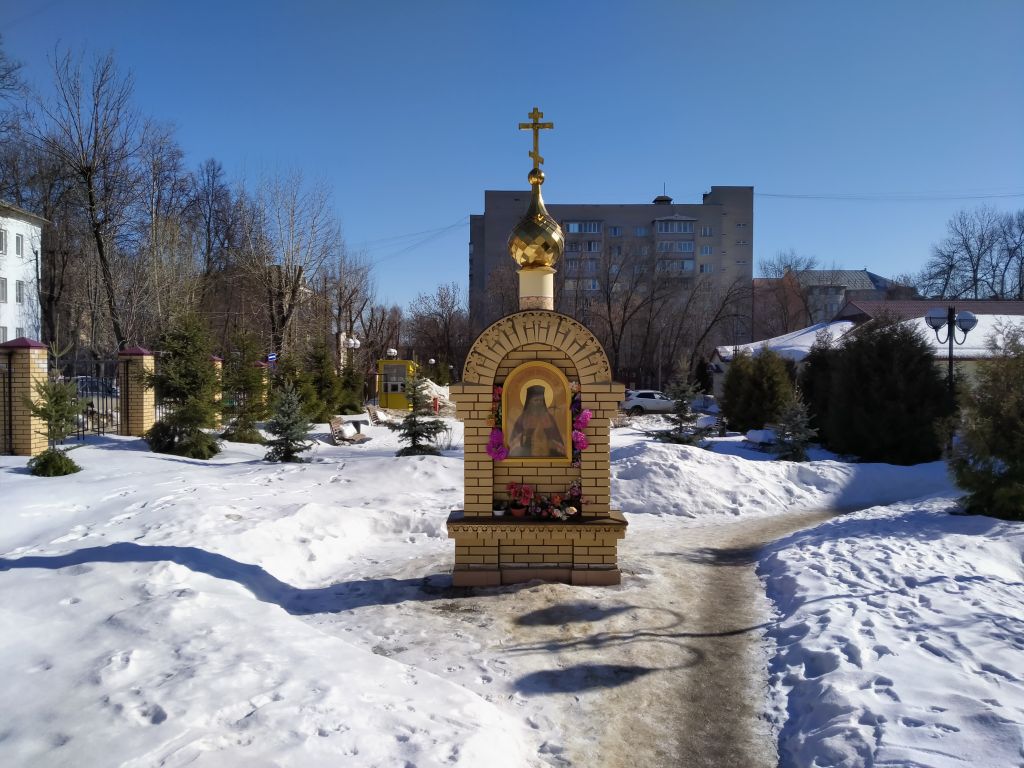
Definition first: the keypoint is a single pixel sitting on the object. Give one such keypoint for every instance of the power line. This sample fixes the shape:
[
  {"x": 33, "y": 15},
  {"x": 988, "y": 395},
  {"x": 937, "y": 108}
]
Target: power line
[{"x": 884, "y": 197}]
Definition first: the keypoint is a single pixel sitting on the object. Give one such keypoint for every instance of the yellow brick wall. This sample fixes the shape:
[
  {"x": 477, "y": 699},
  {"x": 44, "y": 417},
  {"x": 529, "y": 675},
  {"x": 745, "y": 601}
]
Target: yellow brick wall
[
  {"x": 138, "y": 403},
  {"x": 490, "y": 547},
  {"x": 28, "y": 433},
  {"x": 573, "y": 349}
]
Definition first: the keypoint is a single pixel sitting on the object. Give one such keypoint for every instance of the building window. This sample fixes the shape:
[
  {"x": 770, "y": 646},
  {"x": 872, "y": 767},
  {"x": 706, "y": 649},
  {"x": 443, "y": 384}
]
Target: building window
[
  {"x": 742, "y": 242},
  {"x": 581, "y": 227},
  {"x": 3, "y": 241},
  {"x": 675, "y": 227},
  {"x": 665, "y": 246},
  {"x": 590, "y": 265},
  {"x": 573, "y": 246},
  {"x": 706, "y": 231},
  {"x": 592, "y": 285},
  {"x": 707, "y": 268},
  {"x": 706, "y": 250},
  {"x": 19, "y": 291},
  {"x": 3, "y": 333},
  {"x": 741, "y": 261},
  {"x": 616, "y": 250},
  {"x": 3, "y": 290},
  {"x": 687, "y": 265},
  {"x": 645, "y": 251},
  {"x": 593, "y": 246},
  {"x": 19, "y": 245},
  {"x": 570, "y": 285},
  {"x": 615, "y": 231},
  {"x": 641, "y": 231},
  {"x": 741, "y": 225},
  {"x": 685, "y": 246},
  {"x": 572, "y": 265},
  {"x": 20, "y": 332}
]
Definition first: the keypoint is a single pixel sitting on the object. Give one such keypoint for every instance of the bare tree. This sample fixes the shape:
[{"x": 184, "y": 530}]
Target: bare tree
[
  {"x": 292, "y": 235},
  {"x": 439, "y": 324},
  {"x": 93, "y": 130},
  {"x": 961, "y": 265},
  {"x": 1008, "y": 280},
  {"x": 350, "y": 290},
  {"x": 782, "y": 304}
]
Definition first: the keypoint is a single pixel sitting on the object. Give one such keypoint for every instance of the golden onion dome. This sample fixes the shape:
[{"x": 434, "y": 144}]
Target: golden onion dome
[{"x": 537, "y": 240}]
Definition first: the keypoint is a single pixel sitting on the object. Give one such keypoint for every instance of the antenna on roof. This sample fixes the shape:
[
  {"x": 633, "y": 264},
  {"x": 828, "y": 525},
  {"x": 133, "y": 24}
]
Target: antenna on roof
[{"x": 663, "y": 188}]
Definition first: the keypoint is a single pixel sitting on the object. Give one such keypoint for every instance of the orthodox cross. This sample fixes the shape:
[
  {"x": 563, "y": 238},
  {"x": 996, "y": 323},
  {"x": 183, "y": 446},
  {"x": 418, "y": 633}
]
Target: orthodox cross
[{"x": 536, "y": 126}]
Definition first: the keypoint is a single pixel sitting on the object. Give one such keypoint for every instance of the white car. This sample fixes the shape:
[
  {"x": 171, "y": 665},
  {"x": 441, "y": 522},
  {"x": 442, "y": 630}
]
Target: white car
[{"x": 642, "y": 401}]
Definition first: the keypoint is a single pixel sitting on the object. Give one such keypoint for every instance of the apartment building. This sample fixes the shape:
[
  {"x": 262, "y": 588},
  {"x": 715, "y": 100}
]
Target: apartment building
[
  {"x": 20, "y": 245},
  {"x": 687, "y": 244}
]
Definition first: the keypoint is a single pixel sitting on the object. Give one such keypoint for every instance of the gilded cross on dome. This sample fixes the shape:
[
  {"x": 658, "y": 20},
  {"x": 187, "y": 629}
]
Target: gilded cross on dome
[{"x": 536, "y": 126}]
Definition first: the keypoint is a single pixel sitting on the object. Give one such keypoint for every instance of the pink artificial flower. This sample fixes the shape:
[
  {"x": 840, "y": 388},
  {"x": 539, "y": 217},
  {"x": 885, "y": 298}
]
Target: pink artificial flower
[
  {"x": 579, "y": 440},
  {"x": 582, "y": 420}
]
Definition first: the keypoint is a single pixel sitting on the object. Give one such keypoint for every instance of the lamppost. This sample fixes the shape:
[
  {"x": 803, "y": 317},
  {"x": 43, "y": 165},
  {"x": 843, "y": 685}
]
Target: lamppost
[
  {"x": 351, "y": 344},
  {"x": 937, "y": 319}
]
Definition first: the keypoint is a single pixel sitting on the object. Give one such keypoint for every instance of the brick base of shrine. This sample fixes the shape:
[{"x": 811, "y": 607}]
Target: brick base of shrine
[{"x": 491, "y": 551}]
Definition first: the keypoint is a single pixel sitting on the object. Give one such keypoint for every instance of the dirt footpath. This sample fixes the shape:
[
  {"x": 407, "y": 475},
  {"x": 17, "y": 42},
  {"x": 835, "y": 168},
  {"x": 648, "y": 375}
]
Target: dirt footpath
[{"x": 672, "y": 673}]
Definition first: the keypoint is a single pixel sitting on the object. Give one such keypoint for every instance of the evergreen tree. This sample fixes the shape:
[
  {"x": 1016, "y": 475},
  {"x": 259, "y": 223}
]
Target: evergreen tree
[
  {"x": 351, "y": 390},
  {"x": 289, "y": 426},
  {"x": 989, "y": 458},
  {"x": 187, "y": 385},
  {"x": 816, "y": 383},
  {"x": 58, "y": 405},
  {"x": 325, "y": 380},
  {"x": 287, "y": 371},
  {"x": 793, "y": 429},
  {"x": 755, "y": 390},
  {"x": 887, "y": 396},
  {"x": 245, "y": 387},
  {"x": 419, "y": 427}
]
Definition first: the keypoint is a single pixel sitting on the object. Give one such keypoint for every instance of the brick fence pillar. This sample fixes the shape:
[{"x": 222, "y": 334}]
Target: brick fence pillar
[
  {"x": 218, "y": 369},
  {"x": 27, "y": 360},
  {"x": 138, "y": 402}
]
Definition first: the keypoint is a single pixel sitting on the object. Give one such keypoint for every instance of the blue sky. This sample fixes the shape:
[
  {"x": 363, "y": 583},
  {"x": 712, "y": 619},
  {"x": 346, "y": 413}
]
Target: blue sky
[{"x": 409, "y": 109}]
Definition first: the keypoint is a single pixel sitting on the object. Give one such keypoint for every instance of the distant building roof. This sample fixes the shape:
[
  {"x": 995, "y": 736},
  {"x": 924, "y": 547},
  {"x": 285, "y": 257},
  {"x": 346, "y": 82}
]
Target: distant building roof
[
  {"x": 851, "y": 279},
  {"x": 6, "y": 208},
  {"x": 977, "y": 345},
  {"x": 904, "y": 309}
]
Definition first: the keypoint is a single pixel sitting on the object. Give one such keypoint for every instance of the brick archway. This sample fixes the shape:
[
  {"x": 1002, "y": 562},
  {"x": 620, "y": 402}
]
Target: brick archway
[{"x": 536, "y": 327}]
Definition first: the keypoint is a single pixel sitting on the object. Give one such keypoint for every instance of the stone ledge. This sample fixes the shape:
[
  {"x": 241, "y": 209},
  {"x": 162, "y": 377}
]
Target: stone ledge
[
  {"x": 604, "y": 577},
  {"x": 461, "y": 522}
]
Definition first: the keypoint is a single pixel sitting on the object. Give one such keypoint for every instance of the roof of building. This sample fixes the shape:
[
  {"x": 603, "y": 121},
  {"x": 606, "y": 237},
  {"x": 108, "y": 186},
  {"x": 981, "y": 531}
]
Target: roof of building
[
  {"x": 860, "y": 310},
  {"x": 21, "y": 212},
  {"x": 851, "y": 279},
  {"x": 796, "y": 345}
]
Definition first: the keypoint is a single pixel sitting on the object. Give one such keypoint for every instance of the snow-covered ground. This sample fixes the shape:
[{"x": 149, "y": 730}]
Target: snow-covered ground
[{"x": 163, "y": 611}]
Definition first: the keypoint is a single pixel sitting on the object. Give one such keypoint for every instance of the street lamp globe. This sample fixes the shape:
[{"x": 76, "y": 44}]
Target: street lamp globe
[
  {"x": 936, "y": 318},
  {"x": 966, "y": 321}
]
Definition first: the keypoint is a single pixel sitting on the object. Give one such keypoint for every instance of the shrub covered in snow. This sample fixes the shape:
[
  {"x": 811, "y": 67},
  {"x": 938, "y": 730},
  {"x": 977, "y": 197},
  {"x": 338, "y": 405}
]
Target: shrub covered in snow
[{"x": 989, "y": 459}]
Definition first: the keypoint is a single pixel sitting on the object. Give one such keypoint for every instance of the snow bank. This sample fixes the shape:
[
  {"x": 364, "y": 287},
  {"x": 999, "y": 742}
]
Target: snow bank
[
  {"x": 664, "y": 479},
  {"x": 900, "y": 639}
]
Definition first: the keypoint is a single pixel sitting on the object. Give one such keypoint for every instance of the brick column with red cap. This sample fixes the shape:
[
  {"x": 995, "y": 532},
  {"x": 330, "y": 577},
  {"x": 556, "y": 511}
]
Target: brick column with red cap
[
  {"x": 138, "y": 402},
  {"x": 27, "y": 366}
]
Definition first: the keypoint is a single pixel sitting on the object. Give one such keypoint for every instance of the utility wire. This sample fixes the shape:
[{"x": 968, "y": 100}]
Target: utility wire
[{"x": 882, "y": 197}]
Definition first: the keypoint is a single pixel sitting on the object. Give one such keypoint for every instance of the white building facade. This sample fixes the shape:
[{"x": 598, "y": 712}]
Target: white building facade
[{"x": 20, "y": 248}]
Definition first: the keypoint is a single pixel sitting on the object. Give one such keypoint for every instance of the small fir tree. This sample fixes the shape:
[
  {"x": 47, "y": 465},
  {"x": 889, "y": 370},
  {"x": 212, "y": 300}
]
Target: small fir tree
[
  {"x": 816, "y": 382},
  {"x": 683, "y": 418},
  {"x": 186, "y": 382},
  {"x": 287, "y": 371},
  {"x": 245, "y": 387},
  {"x": 58, "y": 405},
  {"x": 419, "y": 427},
  {"x": 289, "y": 426},
  {"x": 988, "y": 461},
  {"x": 793, "y": 429}
]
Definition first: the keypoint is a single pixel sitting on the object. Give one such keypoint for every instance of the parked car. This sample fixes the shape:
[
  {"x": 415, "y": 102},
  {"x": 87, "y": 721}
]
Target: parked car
[
  {"x": 647, "y": 401},
  {"x": 93, "y": 386}
]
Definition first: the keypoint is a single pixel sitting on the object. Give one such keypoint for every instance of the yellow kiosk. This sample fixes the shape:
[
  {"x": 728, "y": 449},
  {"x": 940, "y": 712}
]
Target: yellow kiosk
[{"x": 391, "y": 378}]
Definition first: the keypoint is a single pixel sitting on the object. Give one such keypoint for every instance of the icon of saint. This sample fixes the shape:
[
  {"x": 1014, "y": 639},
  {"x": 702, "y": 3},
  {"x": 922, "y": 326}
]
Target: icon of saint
[{"x": 535, "y": 434}]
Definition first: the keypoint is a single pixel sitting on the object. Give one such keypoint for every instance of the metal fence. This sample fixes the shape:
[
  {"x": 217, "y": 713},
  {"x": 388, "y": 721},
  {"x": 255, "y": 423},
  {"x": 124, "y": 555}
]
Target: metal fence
[
  {"x": 104, "y": 399},
  {"x": 6, "y": 406}
]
